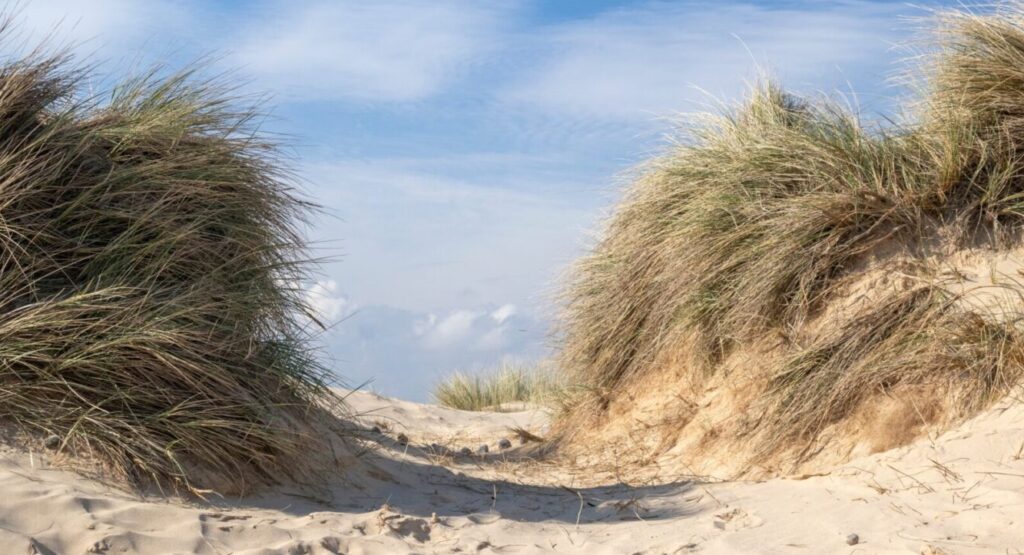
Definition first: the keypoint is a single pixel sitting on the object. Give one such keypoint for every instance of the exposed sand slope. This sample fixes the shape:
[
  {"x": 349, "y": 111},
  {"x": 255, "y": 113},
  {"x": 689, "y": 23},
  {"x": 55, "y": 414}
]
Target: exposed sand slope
[{"x": 962, "y": 492}]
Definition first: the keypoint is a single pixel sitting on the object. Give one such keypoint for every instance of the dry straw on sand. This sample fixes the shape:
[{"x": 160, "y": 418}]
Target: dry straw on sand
[
  {"x": 148, "y": 249},
  {"x": 752, "y": 229}
]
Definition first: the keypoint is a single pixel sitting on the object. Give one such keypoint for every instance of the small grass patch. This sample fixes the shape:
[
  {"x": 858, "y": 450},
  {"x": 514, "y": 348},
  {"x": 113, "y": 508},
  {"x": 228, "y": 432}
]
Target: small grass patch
[{"x": 508, "y": 387}]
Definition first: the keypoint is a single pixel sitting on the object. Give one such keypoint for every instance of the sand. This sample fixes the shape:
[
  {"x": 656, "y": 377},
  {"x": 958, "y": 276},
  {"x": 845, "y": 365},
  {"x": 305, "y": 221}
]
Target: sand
[{"x": 959, "y": 492}]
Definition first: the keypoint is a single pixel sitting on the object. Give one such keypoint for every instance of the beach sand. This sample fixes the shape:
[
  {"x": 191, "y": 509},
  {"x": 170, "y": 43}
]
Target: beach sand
[{"x": 957, "y": 493}]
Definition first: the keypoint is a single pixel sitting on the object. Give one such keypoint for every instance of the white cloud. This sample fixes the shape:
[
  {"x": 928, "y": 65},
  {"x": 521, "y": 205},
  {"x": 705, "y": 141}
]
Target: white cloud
[
  {"x": 326, "y": 301},
  {"x": 503, "y": 313},
  {"x": 425, "y": 324},
  {"x": 395, "y": 50},
  {"x": 387, "y": 345},
  {"x": 452, "y": 329},
  {"x": 476, "y": 329}
]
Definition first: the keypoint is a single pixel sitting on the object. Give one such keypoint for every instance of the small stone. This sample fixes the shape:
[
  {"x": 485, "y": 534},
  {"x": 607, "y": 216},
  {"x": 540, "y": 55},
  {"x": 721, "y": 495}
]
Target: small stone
[
  {"x": 465, "y": 451},
  {"x": 852, "y": 539},
  {"x": 483, "y": 449},
  {"x": 376, "y": 430},
  {"x": 504, "y": 444},
  {"x": 403, "y": 439},
  {"x": 52, "y": 442}
]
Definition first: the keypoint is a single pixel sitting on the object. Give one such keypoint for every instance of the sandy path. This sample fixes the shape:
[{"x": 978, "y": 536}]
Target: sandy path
[{"x": 959, "y": 493}]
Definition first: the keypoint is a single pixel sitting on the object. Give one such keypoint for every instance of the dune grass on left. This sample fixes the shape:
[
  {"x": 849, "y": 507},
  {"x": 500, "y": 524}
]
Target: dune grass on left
[{"x": 149, "y": 251}]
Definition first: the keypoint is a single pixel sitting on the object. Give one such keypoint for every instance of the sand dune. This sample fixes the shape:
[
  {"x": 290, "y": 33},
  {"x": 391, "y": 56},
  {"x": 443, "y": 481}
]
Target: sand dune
[{"x": 958, "y": 493}]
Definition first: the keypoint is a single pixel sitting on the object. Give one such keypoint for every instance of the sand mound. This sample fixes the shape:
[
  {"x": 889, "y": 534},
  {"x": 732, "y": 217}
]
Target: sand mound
[{"x": 790, "y": 286}]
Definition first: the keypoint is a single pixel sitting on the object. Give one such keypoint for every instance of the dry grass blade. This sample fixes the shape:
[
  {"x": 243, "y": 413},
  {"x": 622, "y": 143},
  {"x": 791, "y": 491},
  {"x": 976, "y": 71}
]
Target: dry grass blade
[{"x": 525, "y": 435}]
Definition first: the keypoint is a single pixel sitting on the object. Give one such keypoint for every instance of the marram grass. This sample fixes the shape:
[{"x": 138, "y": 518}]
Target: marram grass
[
  {"x": 745, "y": 231},
  {"x": 148, "y": 238}
]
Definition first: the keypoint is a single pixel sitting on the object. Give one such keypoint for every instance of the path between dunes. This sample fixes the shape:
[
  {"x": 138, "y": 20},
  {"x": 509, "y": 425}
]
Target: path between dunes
[{"x": 959, "y": 493}]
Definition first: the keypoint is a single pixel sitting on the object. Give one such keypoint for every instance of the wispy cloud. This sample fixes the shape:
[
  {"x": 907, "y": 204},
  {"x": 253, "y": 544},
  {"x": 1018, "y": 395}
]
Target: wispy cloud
[
  {"x": 390, "y": 50},
  {"x": 116, "y": 31},
  {"x": 417, "y": 239},
  {"x": 644, "y": 62},
  {"x": 381, "y": 51}
]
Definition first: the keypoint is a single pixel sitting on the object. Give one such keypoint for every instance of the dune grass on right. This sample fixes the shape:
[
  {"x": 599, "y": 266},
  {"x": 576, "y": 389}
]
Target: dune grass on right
[{"x": 791, "y": 240}]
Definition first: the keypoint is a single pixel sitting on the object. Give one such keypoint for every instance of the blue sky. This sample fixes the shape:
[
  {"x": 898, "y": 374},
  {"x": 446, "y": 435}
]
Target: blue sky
[{"x": 466, "y": 152}]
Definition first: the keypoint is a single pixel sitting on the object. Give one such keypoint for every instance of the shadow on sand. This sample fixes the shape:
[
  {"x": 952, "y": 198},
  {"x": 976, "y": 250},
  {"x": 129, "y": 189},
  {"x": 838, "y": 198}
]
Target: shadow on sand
[{"x": 406, "y": 479}]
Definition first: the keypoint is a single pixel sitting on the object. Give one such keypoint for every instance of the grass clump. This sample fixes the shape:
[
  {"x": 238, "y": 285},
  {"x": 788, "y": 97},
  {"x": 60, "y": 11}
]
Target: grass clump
[
  {"x": 148, "y": 243},
  {"x": 756, "y": 221},
  {"x": 509, "y": 384},
  {"x": 913, "y": 341}
]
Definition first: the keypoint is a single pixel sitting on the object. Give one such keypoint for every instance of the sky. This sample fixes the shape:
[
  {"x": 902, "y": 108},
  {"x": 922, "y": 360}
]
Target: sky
[{"x": 465, "y": 153}]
